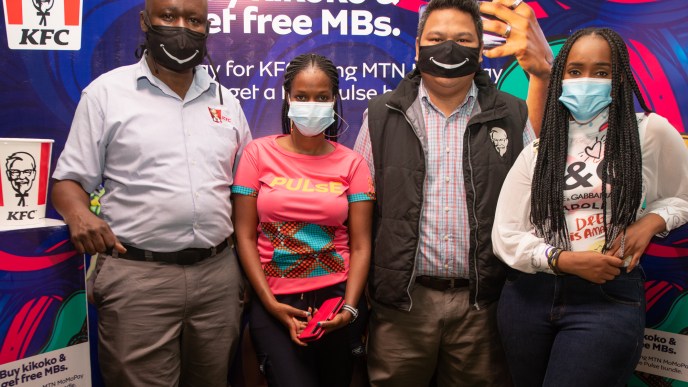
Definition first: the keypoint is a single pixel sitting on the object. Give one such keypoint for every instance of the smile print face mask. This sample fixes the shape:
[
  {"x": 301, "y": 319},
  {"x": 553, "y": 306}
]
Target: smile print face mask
[
  {"x": 448, "y": 60},
  {"x": 176, "y": 48},
  {"x": 311, "y": 118},
  {"x": 586, "y": 97}
]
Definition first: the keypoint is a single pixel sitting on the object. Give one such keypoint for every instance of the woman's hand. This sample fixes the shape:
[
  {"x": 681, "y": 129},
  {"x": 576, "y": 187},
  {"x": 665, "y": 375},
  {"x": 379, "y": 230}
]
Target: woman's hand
[
  {"x": 590, "y": 265},
  {"x": 342, "y": 319},
  {"x": 636, "y": 238},
  {"x": 293, "y": 319}
]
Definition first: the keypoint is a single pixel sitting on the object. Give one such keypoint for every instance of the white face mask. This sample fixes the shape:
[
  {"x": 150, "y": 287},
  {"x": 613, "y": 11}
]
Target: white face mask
[{"x": 311, "y": 118}]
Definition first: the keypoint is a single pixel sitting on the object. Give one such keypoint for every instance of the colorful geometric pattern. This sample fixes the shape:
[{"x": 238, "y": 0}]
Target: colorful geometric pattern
[
  {"x": 359, "y": 197},
  {"x": 240, "y": 190},
  {"x": 301, "y": 250}
]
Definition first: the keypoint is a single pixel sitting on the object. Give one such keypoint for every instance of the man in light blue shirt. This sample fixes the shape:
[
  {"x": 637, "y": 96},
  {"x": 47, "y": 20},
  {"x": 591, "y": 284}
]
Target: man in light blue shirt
[{"x": 164, "y": 139}]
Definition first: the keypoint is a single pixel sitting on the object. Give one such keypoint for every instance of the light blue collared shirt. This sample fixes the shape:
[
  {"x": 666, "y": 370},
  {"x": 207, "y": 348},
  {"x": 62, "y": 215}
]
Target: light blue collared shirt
[{"x": 166, "y": 162}]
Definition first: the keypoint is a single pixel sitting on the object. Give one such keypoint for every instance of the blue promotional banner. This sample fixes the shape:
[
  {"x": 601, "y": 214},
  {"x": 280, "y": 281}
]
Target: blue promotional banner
[
  {"x": 43, "y": 323},
  {"x": 50, "y": 50}
]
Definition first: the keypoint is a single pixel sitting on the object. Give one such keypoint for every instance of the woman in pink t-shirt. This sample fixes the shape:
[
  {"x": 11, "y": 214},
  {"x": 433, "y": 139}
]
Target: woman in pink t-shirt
[{"x": 303, "y": 208}]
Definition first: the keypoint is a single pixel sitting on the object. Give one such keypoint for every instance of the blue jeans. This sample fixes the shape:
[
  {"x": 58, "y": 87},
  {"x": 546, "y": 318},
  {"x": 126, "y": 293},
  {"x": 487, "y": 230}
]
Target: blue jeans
[{"x": 565, "y": 331}]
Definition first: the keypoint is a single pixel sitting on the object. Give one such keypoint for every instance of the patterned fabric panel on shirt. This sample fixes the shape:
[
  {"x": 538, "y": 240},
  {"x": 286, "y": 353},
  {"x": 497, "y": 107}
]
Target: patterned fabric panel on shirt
[{"x": 301, "y": 250}]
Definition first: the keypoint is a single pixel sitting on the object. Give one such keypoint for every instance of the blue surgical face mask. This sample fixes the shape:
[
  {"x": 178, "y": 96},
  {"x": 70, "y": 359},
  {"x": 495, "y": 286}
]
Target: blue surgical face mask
[
  {"x": 586, "y": 97},
  {"x": 311, "y": 118}
]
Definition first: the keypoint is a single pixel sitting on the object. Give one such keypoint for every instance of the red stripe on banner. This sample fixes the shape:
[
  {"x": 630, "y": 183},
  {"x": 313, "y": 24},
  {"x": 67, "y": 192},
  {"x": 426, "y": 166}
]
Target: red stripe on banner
[
  {"x": 411, "y": 5},
  {"x": 562, "y": 5},
  {"x": 14, "y": 12},
  {"x": 72, "y": 12},
  {"x": 43, "y": 173},
  {"x": 666, "y": 251},
  {"x": 12, "y": 263},
  {"x": 22, "y": 329},
  {"x": 537, "y": 8}
]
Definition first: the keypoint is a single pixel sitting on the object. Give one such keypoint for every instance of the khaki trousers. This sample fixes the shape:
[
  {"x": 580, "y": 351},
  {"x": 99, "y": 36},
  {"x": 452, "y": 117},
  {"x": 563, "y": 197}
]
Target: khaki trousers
[
  {"x": 167, "y": 325},
  {"x": 442, "y": 336}
]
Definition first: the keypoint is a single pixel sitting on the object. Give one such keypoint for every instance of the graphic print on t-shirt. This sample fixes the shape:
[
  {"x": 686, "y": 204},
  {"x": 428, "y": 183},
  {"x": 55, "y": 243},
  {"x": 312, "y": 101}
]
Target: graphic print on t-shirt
[{"x": 583, "y": 184}]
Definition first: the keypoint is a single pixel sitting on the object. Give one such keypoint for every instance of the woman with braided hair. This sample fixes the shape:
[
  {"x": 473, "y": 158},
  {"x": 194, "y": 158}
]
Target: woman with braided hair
[
  {"x": 303, "y": 214},
  {"x": 575, "y": 214}
]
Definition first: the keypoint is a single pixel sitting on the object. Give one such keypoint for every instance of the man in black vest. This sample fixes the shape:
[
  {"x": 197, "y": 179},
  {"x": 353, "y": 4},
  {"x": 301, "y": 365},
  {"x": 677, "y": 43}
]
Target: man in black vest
[{"x": 440, "y": 146}]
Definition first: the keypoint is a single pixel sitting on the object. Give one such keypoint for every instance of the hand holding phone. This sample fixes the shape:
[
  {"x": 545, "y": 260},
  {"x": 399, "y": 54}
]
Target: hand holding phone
[{"x": 326, "y": 312}]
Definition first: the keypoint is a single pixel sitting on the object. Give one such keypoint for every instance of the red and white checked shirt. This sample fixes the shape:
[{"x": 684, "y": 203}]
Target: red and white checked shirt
[{"x": 443, "y": 247}]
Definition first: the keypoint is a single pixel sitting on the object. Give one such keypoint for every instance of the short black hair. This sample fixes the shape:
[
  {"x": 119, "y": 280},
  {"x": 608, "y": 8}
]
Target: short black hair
[{"x": 470, "y": 7}]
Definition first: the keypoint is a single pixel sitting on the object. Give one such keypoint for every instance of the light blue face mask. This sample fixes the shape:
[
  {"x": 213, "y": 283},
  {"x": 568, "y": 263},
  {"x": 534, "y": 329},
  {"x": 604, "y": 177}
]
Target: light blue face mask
[
  {"x": 586, "y": 97},
  {"x": 311, "y": 118}
]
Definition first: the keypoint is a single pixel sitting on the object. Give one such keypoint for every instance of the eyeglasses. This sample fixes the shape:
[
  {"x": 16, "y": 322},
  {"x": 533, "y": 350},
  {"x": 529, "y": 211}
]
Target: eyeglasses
[{"x": 15, "y": 173}]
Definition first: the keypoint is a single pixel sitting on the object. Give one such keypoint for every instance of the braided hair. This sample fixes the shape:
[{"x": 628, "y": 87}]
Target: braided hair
[
  {"x": 304, "y": 62},
  {"x": 622, "y": 163}
]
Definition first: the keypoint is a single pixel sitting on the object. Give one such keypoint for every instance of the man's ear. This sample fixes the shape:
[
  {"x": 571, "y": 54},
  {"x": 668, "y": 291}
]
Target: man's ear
[
  {"x": 417, "y": 49},
  {"x": 142, "y": 21}
]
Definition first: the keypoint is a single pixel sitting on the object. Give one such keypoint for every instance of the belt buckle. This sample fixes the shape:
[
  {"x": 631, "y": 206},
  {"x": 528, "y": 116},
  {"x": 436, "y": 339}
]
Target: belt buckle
[
  {"x": 187, "y": 257},
  {"x": 451, "y": 282}
]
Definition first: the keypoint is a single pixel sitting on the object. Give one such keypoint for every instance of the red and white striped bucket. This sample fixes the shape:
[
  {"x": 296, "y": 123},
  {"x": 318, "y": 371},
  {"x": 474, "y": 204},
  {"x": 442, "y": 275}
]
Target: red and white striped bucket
[{"x": 24, "y": 177}]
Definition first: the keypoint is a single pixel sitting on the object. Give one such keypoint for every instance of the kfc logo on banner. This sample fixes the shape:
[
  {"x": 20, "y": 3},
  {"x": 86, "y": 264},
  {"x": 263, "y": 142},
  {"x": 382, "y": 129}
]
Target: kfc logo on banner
[{"x": 43, "y": 24}]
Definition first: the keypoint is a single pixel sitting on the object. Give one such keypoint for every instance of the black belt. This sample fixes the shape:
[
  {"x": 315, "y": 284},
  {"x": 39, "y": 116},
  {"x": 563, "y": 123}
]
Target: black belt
[
  {"x": 442, "y": 284},
  {"x": 181, "y": 257}
]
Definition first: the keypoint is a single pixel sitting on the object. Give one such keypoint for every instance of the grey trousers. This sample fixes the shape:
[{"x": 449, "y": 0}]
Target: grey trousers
[
  {"x": 442, "y": 335},
  {"x": 167, "y": 325}
]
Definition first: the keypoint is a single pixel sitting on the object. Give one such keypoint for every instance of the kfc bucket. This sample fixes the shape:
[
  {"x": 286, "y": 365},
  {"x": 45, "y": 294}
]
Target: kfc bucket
[{"x": 24, "y": 175}]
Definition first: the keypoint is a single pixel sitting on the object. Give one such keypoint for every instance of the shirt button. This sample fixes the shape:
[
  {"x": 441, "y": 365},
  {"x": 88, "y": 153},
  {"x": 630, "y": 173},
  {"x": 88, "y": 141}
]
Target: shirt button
[
  {"x": 446, "y": 237},
  {"x": 446, "y": 209},
  {"x": 447, "y": 179},
  {"x": 448, "y": 150}
]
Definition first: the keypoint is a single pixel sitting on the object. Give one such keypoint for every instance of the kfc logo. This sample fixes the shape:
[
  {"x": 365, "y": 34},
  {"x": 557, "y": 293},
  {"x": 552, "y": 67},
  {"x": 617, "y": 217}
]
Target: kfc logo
[
  {"x": 21, "y": 173},
  {"x": 499, "y": 139},
  {"x": 43, "y": 24},
  {"x": 24, "y": 174},
  {"x": 217, "y": 117}
]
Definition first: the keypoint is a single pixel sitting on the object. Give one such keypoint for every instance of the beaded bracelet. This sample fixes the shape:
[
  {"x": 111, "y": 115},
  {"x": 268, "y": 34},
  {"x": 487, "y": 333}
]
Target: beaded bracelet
[{"x": 352, "y": 310}]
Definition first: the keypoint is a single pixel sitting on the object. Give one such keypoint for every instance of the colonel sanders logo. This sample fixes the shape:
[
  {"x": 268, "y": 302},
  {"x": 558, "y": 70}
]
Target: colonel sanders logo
[
  {"x": 43, "y": 8},
  {"x": 499, "y": 139},
  {"x": 21, "y": 172}
]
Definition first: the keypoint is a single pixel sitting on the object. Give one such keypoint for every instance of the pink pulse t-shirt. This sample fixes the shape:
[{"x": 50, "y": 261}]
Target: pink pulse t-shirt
[{"x": 303, "y": 205}]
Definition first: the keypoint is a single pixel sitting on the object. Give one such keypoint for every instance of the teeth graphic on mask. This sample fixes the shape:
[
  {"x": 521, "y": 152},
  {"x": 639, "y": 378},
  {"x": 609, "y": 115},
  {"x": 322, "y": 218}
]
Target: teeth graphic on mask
[
  {"x": 448, "y": 60},
  {"x": 180, "y": 61},
  {"x": 448, "y": 66}
]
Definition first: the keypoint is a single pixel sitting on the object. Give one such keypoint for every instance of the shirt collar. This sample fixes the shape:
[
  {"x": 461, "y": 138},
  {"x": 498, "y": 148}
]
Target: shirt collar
[
  {"x": 465, "y": 108},
  {"x": 202, "y": 81}
]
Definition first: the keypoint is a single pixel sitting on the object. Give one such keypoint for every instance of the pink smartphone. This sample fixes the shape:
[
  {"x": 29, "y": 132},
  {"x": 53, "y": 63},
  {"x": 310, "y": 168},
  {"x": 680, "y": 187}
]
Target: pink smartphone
[{"x": 326, "y": 312}]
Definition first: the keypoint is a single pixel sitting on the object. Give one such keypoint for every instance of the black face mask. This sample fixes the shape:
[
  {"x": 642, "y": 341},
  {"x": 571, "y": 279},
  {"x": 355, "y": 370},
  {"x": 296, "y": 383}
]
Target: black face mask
[
  {"x": 176, "y": 48},
  {"x": 448, "y": 60}
]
